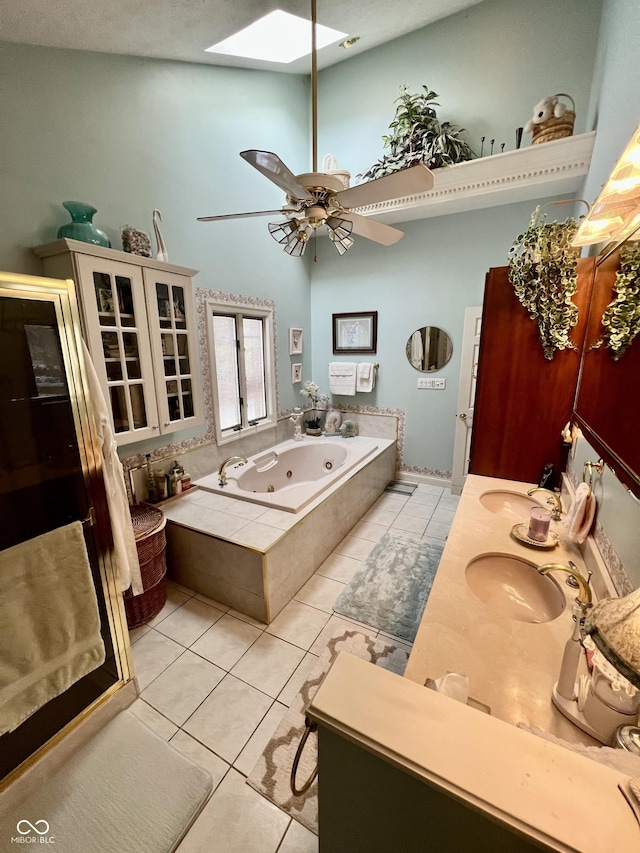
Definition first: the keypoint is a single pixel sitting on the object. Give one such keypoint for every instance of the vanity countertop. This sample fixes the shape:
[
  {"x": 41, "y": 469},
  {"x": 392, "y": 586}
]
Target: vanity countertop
[
  {"x": 552, "y": 795},
  {"x": 512, "y": 665}
]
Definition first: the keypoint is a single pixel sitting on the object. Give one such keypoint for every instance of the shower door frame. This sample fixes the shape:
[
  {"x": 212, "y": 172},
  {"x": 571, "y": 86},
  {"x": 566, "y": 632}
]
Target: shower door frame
[{"x": 62, "y": 294}]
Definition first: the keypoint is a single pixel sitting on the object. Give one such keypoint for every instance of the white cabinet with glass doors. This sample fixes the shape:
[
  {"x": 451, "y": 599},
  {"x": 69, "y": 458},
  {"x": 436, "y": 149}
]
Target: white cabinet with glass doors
[{"x": 139, "y": 324}]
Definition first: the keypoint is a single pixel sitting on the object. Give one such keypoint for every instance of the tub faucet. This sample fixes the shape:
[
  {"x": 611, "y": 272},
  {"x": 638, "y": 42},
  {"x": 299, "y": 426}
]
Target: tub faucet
[
  {"x": 556, "y": 512},
  {"x": 222, "y": 472},
  {"x": 584, "y": 597}
]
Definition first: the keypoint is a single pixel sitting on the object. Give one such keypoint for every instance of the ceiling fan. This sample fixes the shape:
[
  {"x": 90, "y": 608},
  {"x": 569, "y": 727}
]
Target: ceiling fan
[{"x": 319, "y": 200}]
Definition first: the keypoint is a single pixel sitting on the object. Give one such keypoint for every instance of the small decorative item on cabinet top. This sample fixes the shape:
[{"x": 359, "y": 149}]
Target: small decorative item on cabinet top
[
  {"x": 81, "y": 226},
  {"x": 161, "y": 254},
  {"x": 136, "y": 242}
]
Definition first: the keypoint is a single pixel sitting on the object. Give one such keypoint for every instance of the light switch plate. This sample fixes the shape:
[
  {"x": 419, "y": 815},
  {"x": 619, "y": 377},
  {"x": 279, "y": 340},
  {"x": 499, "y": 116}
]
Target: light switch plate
[{"x": 432, "y": 384}]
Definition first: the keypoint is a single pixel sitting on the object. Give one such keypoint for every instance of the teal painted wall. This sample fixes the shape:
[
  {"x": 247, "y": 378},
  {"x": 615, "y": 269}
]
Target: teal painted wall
[
  {"x": 490, "y": 65},
  {"x": 129, "y": 135},
  {"x": 614, "y": 109}
]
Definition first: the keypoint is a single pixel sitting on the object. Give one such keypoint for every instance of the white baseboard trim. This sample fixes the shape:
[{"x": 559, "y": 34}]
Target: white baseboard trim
[{"x": 424, "y": 479}]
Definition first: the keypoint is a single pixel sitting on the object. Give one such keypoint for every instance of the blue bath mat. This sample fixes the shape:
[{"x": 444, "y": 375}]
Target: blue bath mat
[{"x": 391, "y": 589}]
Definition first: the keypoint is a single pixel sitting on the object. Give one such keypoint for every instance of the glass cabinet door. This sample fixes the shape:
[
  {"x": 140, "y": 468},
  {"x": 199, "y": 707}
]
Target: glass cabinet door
[
  {"x": 173, "y": 342},
  {"x": 116, "y": 318}
]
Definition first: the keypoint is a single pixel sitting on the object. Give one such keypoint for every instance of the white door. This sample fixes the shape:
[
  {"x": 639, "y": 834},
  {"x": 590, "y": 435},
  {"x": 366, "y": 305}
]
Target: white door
[{"x": 466, "y": 397}]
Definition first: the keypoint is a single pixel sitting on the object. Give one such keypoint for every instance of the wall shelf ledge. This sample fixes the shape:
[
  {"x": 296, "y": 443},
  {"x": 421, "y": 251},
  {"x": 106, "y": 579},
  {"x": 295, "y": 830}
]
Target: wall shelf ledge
[{"x": 537, "y": 171}]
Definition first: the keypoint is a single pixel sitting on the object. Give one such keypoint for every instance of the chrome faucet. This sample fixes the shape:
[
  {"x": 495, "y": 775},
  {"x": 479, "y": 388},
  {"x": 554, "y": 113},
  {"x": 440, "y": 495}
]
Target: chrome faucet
[
  {"x": 222, "y": 472},
  {"x": 584, "y": 597},
  {"x": 556, "y": 512}
]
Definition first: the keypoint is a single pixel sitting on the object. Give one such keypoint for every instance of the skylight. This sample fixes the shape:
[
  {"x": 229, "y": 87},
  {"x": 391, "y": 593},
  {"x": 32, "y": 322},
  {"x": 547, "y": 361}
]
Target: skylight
[{"x": 277, "y": 37}]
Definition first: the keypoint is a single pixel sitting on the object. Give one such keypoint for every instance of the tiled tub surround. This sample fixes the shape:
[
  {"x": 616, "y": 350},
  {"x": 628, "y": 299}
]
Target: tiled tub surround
[
  {"x": 292, "y": 474},
  {"x": 201, "y": 455},
  {"x": 254, "y": 558}
]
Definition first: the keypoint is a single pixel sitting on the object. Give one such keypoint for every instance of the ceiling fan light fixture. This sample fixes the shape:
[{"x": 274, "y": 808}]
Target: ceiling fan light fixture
[
  {"x": 343, "y": 245},
  {"x": 339, "y": 231},
  {"x": 283, "y": 232},
  {"x": 297, "y": 245}
]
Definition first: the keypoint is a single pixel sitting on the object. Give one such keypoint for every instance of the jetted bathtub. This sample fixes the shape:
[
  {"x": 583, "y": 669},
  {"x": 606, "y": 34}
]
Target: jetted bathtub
[{"x": 292, "y": 474}]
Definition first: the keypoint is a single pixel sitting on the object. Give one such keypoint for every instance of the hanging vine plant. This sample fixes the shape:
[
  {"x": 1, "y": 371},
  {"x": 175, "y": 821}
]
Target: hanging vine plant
[
  {"x": 621, "y": 318},
  {"x": 542, "y": 271}
]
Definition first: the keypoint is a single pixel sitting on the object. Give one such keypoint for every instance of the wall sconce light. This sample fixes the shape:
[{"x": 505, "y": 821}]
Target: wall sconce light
[{"x": 615, "y": 214}]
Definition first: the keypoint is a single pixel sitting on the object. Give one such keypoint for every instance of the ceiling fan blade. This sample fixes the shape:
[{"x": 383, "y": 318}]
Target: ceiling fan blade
[
  {"x": 374, "y": 230},
  {"x": 415, "y": 179},
  {"x": 272, "y": 167},
  {"x": 239, "y": 215}
]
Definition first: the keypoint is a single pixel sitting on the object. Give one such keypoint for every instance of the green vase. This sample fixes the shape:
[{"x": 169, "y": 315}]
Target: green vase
[{"x": 81, "y": 226}]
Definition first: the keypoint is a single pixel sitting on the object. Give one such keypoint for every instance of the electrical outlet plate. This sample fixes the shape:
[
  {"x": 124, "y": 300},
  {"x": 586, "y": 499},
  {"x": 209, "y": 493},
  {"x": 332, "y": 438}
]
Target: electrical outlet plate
[{"x": 432, "y": 384}]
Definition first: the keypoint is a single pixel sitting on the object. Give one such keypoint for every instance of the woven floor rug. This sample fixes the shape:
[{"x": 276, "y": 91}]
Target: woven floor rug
[
  {"x": 391, "y": 589},
  {"x": 124, "y": 791},
  {"x": 271, "y": 775}
]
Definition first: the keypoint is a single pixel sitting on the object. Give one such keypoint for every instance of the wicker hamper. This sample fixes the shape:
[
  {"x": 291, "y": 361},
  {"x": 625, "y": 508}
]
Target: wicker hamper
[{"x": 149, "y": 529}]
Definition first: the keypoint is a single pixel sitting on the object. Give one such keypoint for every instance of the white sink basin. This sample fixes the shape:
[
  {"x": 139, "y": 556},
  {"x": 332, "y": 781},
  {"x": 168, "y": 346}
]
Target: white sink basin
[
  {"x": 514, "y": 587},
  {"x": 512, "y": 505}
]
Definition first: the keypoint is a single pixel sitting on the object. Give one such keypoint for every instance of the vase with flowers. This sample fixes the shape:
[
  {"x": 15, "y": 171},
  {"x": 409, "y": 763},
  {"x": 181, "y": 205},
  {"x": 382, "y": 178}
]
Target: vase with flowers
[{"x": 316, "y": 398}]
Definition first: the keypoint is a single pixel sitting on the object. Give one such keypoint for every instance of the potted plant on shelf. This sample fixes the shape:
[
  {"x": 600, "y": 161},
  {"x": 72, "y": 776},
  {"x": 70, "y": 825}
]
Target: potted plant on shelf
[
  {"x": 418, "y": 136},
  {"x": 312, "y": 392}
]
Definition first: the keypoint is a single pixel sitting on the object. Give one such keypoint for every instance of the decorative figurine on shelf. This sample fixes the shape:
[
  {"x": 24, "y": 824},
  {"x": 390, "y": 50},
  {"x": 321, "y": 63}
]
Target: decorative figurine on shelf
[
  {"x": 295, "y": 418},
  {"x": 349, "y": 429},
  {"x": 332, "y": 422},
  {"x": 161, "y": 254},
  {"x": 551, "y": 119}
]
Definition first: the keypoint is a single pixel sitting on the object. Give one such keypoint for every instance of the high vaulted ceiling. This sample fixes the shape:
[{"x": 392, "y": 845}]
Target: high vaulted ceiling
[{"x": 183, "y": 29}]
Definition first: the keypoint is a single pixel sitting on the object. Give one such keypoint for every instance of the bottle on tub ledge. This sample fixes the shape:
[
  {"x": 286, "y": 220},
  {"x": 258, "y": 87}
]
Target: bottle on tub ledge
[{"x": 172, "y": 483}]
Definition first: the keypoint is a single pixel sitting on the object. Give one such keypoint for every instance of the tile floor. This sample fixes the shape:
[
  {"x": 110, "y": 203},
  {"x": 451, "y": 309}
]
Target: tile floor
[{"x": 216, "y": 683}]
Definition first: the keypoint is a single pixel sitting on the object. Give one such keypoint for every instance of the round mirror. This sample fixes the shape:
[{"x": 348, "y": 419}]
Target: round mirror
[{"x": 429, "y": 348}]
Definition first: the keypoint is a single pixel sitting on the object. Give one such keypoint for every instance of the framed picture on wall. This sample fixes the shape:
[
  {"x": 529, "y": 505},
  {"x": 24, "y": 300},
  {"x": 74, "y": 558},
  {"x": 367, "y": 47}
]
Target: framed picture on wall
[
  {"x": 296, "y": 373},
  {"x": 355, "y": 333},
  {"x": 295, "y": 341}
]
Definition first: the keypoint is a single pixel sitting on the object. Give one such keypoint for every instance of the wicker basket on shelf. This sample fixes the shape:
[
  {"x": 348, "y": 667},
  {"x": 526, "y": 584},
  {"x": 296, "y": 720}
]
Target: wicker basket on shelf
[
  {"x": 555, "y": 128},
  {"x": 149, "y": 529}
]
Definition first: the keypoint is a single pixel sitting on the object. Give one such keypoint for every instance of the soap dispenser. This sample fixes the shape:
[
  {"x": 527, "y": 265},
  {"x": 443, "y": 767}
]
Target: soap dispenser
[{"x": 546, "y": 477}]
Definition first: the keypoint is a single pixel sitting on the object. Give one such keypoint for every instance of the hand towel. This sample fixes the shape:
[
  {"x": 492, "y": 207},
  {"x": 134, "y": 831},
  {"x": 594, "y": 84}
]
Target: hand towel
[
  {"x": 342, "y": 378},
  {"x": 416, "y": 350},
  {"x": 124, "y": 540},
  {"x": 580, "y": 517},
  {"x": 50, "y": 634},
  {"x": 366, "y": 377}
]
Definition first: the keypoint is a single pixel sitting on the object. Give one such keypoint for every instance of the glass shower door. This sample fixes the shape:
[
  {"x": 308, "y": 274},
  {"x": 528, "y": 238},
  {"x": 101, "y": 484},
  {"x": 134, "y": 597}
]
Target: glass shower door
[{"x": 46, "y": 477}]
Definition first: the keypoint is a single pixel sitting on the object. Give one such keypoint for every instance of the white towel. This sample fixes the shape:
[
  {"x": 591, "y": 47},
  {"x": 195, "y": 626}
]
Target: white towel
[
  {"x": 124, "y": 540},
  {"x": 50, "y": 636},
  {"x": 342, "y": 378},
  {"x": 416, "y": 349},
  {"x": 366, "y": 377},
  {"x": 581, "y": 514}
]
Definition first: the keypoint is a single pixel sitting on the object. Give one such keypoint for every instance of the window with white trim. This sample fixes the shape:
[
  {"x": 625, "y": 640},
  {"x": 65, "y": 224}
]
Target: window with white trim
[{"x": 243, "y": 368}]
